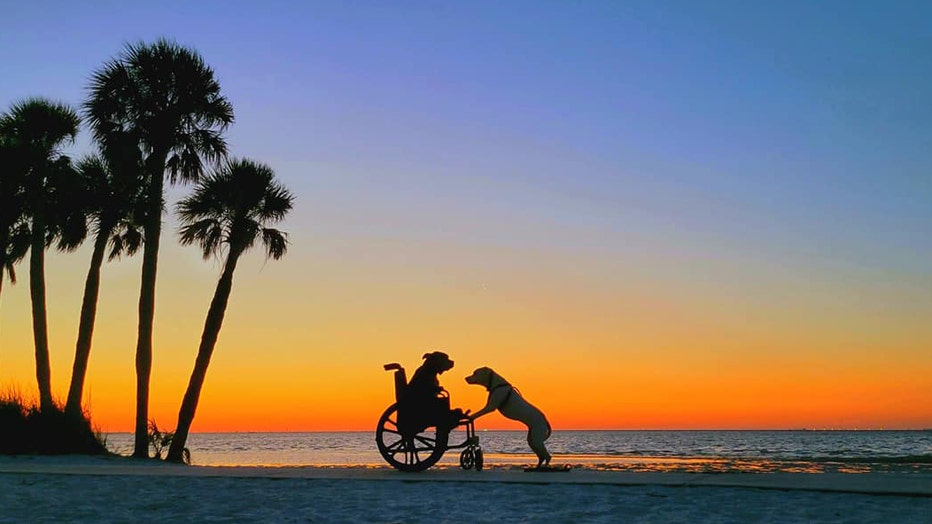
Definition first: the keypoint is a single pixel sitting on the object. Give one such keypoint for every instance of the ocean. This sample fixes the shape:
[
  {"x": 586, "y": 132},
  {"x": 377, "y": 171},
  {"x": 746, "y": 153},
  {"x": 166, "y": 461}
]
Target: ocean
[{"x": 682, "y": 451}]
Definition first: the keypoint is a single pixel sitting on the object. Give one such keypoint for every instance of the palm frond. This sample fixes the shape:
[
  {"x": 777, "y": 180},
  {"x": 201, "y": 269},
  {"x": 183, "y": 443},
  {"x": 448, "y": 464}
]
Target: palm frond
[
  {"x": 127, "y": 239},
  {"x": 275, "y": 242},
  {"x": 206, "y": 233},
  {"x": 234, "y": 205}
]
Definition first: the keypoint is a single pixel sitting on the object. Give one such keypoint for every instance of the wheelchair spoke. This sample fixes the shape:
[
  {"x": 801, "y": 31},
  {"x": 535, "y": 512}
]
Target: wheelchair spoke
[
  {"x": 392, "y": 431},
  {"x": 427, "y": 441},
  {"x": 392, "y": 448}
]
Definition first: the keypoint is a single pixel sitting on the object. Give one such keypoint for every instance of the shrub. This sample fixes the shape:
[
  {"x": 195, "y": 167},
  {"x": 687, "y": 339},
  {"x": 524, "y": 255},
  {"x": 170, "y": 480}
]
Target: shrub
[
  {"x": 27, "y": 429},
  {"x": 160, "y": 441}
]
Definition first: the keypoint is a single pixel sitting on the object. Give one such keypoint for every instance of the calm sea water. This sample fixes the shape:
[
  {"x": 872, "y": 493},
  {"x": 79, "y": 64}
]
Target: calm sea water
[{"x": 699, "y": 451}]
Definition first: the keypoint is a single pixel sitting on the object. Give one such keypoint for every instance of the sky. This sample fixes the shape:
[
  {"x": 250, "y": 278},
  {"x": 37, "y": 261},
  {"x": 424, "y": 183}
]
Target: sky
[{"x": 645, "y": 215}]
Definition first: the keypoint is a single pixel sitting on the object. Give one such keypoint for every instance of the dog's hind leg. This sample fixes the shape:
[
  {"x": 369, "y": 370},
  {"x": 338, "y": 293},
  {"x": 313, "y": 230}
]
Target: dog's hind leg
[{"x": 535, "y": 439}]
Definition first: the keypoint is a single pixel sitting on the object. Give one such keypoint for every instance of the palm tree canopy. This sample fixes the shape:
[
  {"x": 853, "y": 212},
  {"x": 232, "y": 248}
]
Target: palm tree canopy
[
  {"x": 114, "y": 203},
  {"x": 234, "y": 206},
  {"x": 167, "y": 100},
  {"x": 38, "y": 177},
  {"x": 39, "y": 126}
]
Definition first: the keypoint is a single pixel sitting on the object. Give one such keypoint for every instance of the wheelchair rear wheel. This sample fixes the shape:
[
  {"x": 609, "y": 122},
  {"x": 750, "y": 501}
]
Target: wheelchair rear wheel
[{"x": 406, "y": 449}]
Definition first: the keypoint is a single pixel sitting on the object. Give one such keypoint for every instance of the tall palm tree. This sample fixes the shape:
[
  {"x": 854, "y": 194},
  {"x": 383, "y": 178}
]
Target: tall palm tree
[
  {"x": 229, "y": 211},
  {"x": 164, "y": 98},
  {"x": 112, "y": 202},
  {"x": 37, "y": 128},
  {"x": 14, "y": 235}
]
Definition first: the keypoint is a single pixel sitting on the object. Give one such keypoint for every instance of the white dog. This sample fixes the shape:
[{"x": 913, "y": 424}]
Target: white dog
[{"x": 508, "y": 401}]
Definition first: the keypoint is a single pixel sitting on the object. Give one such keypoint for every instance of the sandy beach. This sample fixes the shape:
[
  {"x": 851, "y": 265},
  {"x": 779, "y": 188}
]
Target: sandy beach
[{"x": 116, "y": 489}]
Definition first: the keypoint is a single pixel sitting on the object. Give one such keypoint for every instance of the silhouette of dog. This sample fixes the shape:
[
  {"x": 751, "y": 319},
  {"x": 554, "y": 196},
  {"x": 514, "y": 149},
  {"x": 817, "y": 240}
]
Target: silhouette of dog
[
  {"x": 508, "y": 401},
  {"x": 426, "y": 398},
  {"x": 426, "y": 380}
]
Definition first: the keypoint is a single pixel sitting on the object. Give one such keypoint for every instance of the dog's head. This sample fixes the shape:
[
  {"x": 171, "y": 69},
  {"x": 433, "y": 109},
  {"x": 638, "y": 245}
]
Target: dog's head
[
  {"x": 437, "y": 362},
  {"x": 481, "y": 377}
]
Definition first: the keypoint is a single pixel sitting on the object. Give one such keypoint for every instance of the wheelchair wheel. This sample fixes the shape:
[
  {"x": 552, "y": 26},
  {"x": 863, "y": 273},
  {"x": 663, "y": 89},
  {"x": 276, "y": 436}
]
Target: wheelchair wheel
[
  {"x": 407, "y": 450},
  {"x": 467, "y": 459},
  {"x": 479, "y": 459}
]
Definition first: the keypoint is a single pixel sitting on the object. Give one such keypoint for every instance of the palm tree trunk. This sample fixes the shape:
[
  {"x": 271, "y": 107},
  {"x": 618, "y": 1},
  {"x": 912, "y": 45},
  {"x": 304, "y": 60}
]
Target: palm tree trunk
[
  {"x": 82, "y": 350},
  {"x": 39, "y": 321},
  {"x": 212, "y": 324},
  {"x": 150, "y": 257}
]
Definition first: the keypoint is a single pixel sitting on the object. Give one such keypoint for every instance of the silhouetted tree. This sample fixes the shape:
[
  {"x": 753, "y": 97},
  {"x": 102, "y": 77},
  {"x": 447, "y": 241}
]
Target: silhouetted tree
[
  {"x": 166, "y": 99},
  {"x": 230, "y": 210},
  {"x": 36, "y": 129},
  {"x": 14, "y": 234},
  {"x": 112, "y": 203}
]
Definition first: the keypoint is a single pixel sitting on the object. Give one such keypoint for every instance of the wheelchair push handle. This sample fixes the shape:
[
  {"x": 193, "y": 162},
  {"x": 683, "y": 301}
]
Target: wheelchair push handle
[{"x": 401, "y": 380}]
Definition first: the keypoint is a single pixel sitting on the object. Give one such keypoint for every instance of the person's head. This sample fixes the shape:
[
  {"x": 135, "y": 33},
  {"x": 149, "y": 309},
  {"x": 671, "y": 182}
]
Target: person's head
[{"x": 438, "y": 361}]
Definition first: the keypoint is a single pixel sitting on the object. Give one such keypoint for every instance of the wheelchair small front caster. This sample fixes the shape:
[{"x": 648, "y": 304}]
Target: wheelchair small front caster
[{"x": 468, "y": 458}]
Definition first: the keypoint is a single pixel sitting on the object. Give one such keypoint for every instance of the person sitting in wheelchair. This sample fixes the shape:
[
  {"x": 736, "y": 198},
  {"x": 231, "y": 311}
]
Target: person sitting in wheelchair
[{"x": 425, "y": 398}]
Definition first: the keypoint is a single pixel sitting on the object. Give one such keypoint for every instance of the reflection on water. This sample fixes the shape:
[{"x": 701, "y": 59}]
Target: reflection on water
[{"x": 636, "y": 451}]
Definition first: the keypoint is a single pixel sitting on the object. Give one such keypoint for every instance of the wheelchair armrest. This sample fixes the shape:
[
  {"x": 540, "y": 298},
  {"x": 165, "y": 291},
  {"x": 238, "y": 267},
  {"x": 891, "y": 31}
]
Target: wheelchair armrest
[{"x": 392, "y": 366}]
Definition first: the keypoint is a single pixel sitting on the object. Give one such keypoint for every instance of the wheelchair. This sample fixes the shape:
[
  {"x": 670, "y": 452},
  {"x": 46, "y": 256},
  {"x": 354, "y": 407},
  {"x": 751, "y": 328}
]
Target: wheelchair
[{"x": 411, "y": 438}]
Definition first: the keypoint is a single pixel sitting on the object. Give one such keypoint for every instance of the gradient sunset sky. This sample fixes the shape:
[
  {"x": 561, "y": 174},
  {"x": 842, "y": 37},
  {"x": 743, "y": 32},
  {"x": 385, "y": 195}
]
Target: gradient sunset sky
[{"x": 643, "y": 214}]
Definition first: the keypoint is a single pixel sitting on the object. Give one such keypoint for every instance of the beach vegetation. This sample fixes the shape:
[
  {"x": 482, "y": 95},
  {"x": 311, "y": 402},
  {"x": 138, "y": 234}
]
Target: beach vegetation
[
  {"x": 163, "y": 98},
  {"x": 28, "y": 428},
  {"x": 160, "y": 441},
  {"x": 230, "y": 210}
]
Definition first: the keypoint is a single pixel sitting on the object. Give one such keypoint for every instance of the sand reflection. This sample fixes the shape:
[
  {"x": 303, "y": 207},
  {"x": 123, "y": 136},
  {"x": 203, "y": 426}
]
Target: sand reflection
[{"x": 705, "y": 464}]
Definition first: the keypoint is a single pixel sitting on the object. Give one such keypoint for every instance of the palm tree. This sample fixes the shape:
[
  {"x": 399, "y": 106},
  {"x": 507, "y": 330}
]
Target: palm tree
[
  {"x": 164, "y": 99},
  {"x": 230, "y": 210},
  {"x": 14, "y": 235},
  {"x": 36, "y": 128},
  {"x": 112, "y": 202}
]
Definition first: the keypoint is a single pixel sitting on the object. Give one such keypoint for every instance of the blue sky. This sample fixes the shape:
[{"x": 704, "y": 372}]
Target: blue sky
[{"x": 796, "y": 129}]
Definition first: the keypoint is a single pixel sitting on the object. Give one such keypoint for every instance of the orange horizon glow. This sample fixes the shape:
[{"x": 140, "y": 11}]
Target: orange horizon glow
[{"x": 592, "y": 363}]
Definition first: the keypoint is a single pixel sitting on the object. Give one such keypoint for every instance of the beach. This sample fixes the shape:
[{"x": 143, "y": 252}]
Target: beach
[{"x": 118, "y": 489}]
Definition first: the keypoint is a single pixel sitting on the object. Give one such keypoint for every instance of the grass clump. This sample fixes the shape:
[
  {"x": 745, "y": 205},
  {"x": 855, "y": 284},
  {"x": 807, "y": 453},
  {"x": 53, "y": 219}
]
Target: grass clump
[
  {"x": 27, "y": 429},
  {"x": 160, "y": 441}
]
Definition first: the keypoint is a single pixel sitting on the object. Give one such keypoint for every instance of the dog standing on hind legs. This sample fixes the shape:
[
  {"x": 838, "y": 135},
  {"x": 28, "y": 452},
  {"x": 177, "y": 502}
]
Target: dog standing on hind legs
[{"x": 508, "y": 401}]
